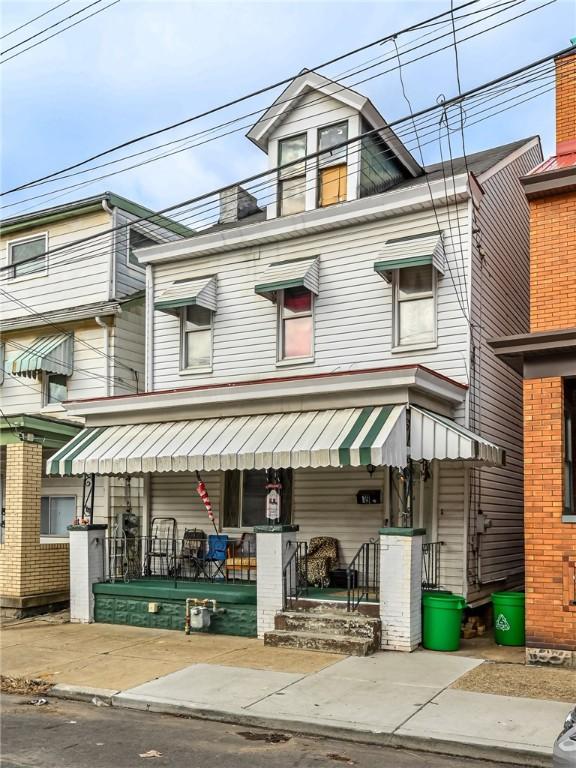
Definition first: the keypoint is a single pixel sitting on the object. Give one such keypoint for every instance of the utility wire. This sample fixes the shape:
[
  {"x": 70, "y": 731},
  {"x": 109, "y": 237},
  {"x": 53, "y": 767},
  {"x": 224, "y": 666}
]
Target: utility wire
[
  {"x": 241, "y": 99},
  {"x": 31, "y": 21},
  {"x": 508, "y": 5},
  {"x": 55, "y": 34},
  {"x": 244, "y": 182},
  {"x": 54, "y": 193},
  {"x": 46, "y": 29}
]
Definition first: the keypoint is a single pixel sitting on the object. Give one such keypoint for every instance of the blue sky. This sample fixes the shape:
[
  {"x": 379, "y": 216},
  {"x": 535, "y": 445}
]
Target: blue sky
[{"x": 141, "y": 65}]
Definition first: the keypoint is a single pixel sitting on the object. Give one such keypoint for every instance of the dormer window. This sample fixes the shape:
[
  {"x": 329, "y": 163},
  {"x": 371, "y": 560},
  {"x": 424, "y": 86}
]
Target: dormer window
[
  {"x": 333, "y": 166},
  {"x": 292, "y": 180}
]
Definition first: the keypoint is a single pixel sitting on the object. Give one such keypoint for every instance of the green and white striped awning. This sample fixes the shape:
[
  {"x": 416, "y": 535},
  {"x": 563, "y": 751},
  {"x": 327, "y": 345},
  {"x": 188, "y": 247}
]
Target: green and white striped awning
[
  {"x": 296, "y": 273},
  {"x": 184, "y": 293},
  {"x": 413, "y": 251},
  {"x": 48, "y": 354},
  {"x": 329, "y": 438}
]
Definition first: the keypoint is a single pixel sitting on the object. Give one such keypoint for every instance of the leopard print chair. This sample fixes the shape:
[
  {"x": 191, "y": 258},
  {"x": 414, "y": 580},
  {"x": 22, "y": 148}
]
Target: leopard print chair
[{"x": 322, "y": 558}]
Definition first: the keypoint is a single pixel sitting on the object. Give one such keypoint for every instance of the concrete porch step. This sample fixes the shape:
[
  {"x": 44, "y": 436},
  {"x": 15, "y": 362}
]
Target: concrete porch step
[
  {"x": 329, "y": 623},
  {"x": 314, "y": 641}
]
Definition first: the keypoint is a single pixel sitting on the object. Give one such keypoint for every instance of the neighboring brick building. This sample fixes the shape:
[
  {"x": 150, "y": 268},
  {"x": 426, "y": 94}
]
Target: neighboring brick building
[{"x": 547, "y": 357}]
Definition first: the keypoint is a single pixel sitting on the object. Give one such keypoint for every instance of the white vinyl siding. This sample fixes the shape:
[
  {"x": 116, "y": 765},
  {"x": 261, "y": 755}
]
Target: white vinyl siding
[
  {"x": 128, "y": 349},
  {"x": 353, "y": 311},
  {"x": 500, "y": 307},
  {"x": 75, "y": 276},
  {"x": 25, "y": 395}
]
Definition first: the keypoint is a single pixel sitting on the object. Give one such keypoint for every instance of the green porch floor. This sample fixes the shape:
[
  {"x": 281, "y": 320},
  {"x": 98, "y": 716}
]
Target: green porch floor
[{"x": 168, "y": 589}]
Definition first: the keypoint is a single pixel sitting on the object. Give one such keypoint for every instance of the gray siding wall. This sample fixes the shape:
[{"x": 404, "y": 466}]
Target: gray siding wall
[
  {"x": 128, "y": 349},
  {"x": 500, "y": 306}
]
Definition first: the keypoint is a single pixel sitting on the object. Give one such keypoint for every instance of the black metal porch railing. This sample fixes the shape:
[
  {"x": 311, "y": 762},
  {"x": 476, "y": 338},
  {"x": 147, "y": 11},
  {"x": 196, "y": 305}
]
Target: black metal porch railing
[
  {"x": 363, "y": 575},
  {"x": 295, "y": 575},
  {"x": 431, "y": 564},
  {"x": 189, "y": 559}
]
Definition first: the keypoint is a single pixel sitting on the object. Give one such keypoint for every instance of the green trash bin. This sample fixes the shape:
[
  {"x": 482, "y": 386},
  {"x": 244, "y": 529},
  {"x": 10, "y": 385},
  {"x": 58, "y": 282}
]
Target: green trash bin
[
  {"x": 441, "y": 621},
  {"x": 508, "y": 618}
]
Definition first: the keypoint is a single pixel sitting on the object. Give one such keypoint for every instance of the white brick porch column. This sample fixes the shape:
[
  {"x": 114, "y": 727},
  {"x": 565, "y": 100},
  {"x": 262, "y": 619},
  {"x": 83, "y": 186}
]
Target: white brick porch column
[
  {"x": 87, "y": 558},
  {"x": 401, "y": 587},
  {"x": 274, "y": 546}
]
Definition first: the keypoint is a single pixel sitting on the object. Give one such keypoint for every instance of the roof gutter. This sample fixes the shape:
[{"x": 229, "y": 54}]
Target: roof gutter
[{"x": 386, "y": 205}]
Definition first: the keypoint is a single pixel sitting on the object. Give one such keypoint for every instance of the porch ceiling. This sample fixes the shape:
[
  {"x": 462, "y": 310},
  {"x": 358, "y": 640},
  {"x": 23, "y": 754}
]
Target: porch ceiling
[{"x": 316, "y": 438}]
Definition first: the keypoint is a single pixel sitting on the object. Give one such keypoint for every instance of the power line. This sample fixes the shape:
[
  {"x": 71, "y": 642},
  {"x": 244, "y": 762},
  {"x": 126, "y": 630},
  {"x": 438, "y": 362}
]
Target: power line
[
  {"x": 46, "y": 29},
  {"x": 40, "y": 42},
  {"x": 426, "y": 111},
  {"x": 17, "y": 29},
  {"x": 240, "y": 99},
  {"x": 210, "y": 205},
  {"x": 60, "y": 174}
]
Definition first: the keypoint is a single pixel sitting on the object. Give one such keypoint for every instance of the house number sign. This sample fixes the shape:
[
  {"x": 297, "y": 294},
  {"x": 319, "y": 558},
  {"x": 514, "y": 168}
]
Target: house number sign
[{"x": 369, "y": 497}]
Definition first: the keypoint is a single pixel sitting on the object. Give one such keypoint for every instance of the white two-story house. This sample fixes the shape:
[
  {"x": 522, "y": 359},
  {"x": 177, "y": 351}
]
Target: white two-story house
[
  {"x": 71, "y": 326},
  {"x": 328, "y": 347}
]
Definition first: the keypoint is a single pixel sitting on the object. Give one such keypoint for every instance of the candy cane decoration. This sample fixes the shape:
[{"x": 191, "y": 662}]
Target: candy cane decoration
[{"x": 203, "y": 493}]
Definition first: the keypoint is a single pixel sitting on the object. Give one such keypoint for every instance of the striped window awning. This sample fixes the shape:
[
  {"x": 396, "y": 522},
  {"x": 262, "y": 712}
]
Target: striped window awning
[
  {"x": 328, "y": 438},
  {"x": 48, "y": 354},
  {"x": 414, "y": 251},
  {"x": 184, "y": 293},
  {"x": 436, "y": 437},
  {"x": 297, "y": 273}
]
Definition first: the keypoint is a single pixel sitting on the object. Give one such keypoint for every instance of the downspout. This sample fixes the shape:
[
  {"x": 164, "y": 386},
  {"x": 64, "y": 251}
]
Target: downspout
[
  {"x": 107, "y": 490},
  {"x": 149, "y": 332},
  {"x": 112, "y": 253}
]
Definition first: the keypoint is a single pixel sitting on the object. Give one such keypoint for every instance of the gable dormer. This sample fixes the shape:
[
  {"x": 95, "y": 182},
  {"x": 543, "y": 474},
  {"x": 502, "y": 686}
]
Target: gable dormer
[{"x": 315, "y": 114}]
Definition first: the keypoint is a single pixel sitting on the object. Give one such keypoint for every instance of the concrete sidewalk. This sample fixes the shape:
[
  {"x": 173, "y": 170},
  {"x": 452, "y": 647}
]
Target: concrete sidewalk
[{"x": 390, "y": 698}]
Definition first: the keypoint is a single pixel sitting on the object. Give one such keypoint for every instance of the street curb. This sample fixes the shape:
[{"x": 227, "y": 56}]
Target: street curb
[{"x": 494, "y": 754}]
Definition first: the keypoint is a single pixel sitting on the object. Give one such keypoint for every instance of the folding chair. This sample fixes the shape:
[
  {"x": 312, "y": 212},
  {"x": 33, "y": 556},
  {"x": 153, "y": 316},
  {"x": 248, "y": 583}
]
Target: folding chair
[{"x": 214, "y": 561}]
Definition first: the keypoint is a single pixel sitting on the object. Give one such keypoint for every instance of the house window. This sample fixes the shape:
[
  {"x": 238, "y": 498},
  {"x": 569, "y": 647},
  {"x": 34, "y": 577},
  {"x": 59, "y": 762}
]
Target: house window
[
  {"x": 56, "y": 514},
  {"x": 292, "y": 184},
  {"x": 20, "y": 252},
  {"x": 415, "y": 314},
  {"x": 570, "y": 447},
  {"x": 55, "y": 388},
  {"x": 296, "y": 323},
  {"x": 197, "y": 323},
  {"x": 137, "y": 240},
  {"x": 333, "y": 168},
  {"x": 245, "y": 497}
]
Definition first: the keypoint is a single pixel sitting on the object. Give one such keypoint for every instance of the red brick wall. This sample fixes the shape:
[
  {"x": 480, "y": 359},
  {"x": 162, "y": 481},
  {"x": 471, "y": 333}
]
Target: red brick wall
[
  {"x": 550, "y": 543},
  {"x": 565, "y": 99},
  {"x": 553, "y": 262}
]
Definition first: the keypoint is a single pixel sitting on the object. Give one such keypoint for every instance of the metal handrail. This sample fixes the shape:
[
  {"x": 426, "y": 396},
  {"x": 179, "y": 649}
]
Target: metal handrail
[
  {"x": 431, "y": 564},
  {"x": 295, "y": 574},
  {"x": 363, "y": 575}
]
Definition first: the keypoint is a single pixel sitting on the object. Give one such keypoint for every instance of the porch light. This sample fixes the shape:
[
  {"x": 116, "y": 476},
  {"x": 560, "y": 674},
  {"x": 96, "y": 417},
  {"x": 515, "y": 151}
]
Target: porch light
[{"x": 371, "y": 469}]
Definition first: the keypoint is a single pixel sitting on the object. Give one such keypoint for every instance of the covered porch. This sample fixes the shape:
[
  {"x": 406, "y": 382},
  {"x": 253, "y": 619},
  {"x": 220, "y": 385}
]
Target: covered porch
[{"x": 296, "y": 508}]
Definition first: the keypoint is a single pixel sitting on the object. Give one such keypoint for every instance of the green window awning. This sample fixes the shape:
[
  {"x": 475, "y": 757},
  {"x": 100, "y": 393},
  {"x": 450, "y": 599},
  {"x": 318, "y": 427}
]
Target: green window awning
[
  {"x": 296, "y": 273},
  {"x": 413, "y": 251},
  {"x": 184, "y": 293},
  {"x": 48, "y": 354}
]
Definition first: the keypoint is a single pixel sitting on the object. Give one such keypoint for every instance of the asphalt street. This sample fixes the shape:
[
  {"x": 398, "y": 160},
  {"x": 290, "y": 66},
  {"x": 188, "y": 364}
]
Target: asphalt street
[{"x": 65, "y": 734}]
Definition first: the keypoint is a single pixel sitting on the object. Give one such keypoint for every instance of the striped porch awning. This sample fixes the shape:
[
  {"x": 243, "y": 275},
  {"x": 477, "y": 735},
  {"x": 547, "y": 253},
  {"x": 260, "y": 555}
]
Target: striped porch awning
[
  {"x": 184, "y": 293},
  {"x": 328, "y": 438},
  {"x": 296, "y": 273},
  {"x": 436, "y": 437},
  {"x": 414, "y": 251},
  {"x": 48, "y": 354}
]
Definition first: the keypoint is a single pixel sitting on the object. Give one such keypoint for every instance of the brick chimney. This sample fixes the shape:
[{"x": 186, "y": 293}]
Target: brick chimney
[
  {"x": 235, "y": 204},
  {"x": 566, "y": 104}
]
